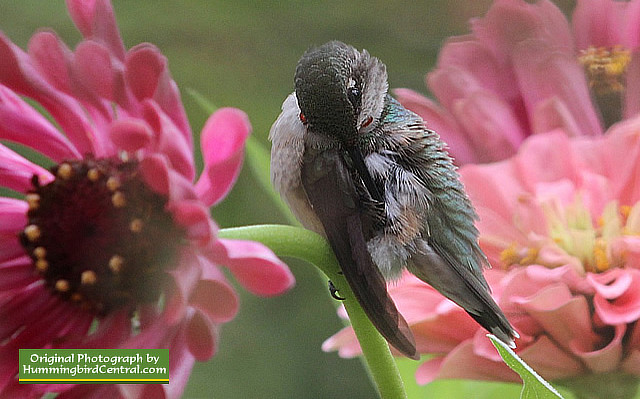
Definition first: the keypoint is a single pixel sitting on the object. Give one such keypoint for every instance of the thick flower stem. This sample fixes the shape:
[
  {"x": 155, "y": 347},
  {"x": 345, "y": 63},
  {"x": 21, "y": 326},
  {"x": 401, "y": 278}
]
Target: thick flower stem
[{"x": 288, "y": 241}]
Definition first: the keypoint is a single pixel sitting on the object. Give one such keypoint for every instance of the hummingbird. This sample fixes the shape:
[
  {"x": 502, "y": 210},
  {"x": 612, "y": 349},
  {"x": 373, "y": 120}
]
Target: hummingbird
[{"x": 357, "y": 167}]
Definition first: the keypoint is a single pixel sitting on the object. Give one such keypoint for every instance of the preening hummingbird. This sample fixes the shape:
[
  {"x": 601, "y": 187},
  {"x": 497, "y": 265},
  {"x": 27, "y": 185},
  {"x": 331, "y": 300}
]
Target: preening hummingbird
[{"x": 357, "y": 167}]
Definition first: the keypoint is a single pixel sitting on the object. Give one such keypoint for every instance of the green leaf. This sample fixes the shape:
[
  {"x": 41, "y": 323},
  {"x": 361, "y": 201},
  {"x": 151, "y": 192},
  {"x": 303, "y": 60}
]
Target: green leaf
[{"x": 534, "y": 386}]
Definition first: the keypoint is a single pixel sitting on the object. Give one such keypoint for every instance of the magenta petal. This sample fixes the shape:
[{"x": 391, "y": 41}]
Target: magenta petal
[
  {"x": 95, "y": 20},
  {"x": 144, "y": 65},
  {"x": 130, "y": 134},
  {"x": 222, "y": 141},
  {"x": 170, "y": 140},
  {"x": 195, "y": 218},
  {"x": 180, "y": 364},
  {"x": 216, "y": 299},
  {"x": 23, "y": 124},
  {"x": 52, "y": 58},
  {"x": 201, "y": 337},
  {"x": 155, "y": 172},
  {"x": 254, "y": 265},
  {"x": 93, "y": 73},
  {"x": 16, "y": 172},
  {"x": 17, "y": 273},
  {"x": 185, "y": 278},
  {"x": 13, "y": 214}
]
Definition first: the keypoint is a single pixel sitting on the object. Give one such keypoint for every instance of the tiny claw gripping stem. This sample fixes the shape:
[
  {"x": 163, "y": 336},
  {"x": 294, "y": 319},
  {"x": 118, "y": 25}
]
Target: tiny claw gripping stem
[{"x": 333, "y": 290}]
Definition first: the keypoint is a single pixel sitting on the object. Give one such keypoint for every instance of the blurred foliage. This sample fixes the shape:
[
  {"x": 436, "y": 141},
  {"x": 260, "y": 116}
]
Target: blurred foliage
[{"x": 243, "y": 53}]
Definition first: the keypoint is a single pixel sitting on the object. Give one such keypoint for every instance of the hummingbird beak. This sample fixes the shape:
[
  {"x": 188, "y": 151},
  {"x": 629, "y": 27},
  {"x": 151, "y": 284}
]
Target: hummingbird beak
[{"x": 358, "y": 163}]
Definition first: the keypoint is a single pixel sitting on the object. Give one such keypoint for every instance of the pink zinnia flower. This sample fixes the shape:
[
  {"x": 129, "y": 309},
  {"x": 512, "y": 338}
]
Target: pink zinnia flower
[
  {"x": 524, "y": 70},
  {"x": 560, "y": 223},
  {"x": 112, "y": 245}
]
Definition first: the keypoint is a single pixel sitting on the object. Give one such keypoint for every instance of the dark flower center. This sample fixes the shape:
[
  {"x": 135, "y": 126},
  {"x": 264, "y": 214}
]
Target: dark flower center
[{"x": 99, "y": 236}]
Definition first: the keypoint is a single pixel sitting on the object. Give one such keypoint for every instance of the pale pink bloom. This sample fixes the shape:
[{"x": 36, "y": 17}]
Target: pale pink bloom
[
  {"x": 521, "y": 71},
  {"x": 560, "y": 223},
  {"x": 112, "y": 245}
]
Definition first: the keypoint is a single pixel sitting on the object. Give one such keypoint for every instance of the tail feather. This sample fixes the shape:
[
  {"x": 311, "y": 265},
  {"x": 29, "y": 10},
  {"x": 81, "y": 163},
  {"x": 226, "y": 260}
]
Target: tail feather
[{"x": 464, "y": 287}]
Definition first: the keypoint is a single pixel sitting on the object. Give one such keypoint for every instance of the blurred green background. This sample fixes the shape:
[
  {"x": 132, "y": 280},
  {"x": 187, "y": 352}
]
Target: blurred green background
[{"x": 243, "y": 53}]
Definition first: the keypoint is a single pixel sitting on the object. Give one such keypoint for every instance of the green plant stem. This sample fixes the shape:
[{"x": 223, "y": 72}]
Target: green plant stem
[{"x": 288, "y": 241}]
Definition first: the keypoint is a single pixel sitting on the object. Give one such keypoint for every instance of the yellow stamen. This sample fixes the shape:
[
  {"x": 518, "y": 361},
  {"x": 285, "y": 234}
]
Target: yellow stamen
[
  {"x": 62, "y": 285},
  {"x": 605, "y": 68},
  {"x": 509, "y": 255},
  {"x": 65, "y": 171},
  {"x": 32, "y": 232},
  {"x": 88, "y": 277},
  {"x": 115, "y": 263}
]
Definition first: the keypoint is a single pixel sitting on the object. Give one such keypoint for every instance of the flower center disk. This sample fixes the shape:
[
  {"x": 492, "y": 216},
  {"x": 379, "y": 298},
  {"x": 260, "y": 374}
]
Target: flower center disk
[{"x": 99, "y": 236}]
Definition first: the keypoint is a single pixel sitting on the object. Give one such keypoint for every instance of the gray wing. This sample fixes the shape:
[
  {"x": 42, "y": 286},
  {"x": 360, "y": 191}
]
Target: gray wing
[{"x": 332, "y": 192}]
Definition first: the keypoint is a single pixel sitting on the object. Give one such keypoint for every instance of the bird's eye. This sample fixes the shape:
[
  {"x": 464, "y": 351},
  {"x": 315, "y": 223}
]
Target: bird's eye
[
  {"x": 354, "y": 95},
  {"x": 303, "y": 118}
]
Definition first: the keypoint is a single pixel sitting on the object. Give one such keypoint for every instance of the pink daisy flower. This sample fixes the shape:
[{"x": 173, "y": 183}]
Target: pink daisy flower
[
  {"x": 112, "y": 245},
  {"x": 524, "y": 69},
  {"x": 560, "y": 223}
]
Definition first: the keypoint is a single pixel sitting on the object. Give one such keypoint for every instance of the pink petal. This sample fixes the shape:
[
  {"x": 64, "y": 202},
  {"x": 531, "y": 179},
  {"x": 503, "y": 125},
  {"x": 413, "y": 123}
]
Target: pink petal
[
  {"x": 95, "y": 19},
  {"x": 543, "y": 72},
  {"x": 548, "y": 360},
  {"x": 23, "y": 124},
  {"x": 52, "y": 58},
  {"x": 631, "y": 33},
  {"x": 170, "y": 140},
  {"x": 195, "y": 218},
  {"x": 598, "y": 23},
  {"x": 222, "y": 142},
  {"x": 185, "y": 278},
  {"x": 14, "y": 216},
  {"x": 618, "y": 297},
  {"x": 496, "y": 131},
  {"x": 552, "y": 114},
  {"x": 452, "y": 83},
  {"x": 632, "y": 92},
  {"x": 345, "y": 342},
  {"x": 18, "y": 74},
  {"x": 201, "y": 337},
  {"x": 565, "y": 319},
  {"x": 93, "y": 73},
  {"x": 17, "y": 273},
  {"x": 180, "y": 365},
  {"x": 546, "y": 158},
  {"x": 144, "y": 65},
  {"x": 155, "y": 173},
  {"x": 130, "y": 134},
  {"x": 216, "y": 299},
  {"x": 16, "y": 172},
  {"x": 463, "y": 363},
  {"x": 508, "y": 23},
  {"x": 607, "y": 355},
  {"x": 480, "y": 61},
  {"x": 254, "y": 265}
]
